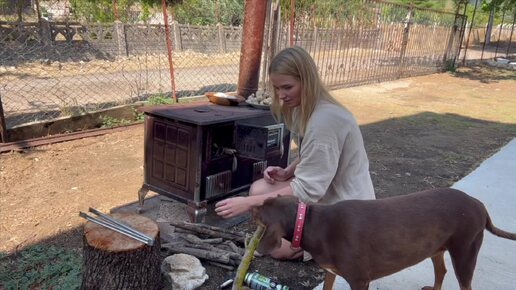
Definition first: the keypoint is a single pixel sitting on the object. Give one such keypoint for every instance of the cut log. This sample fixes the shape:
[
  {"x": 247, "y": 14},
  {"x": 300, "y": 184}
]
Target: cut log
[{"x": 115, "y": 261}]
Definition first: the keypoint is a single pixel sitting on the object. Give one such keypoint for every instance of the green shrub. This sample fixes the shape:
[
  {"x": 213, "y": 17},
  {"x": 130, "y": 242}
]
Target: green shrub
[
  {"x": 41, "y": 267},
  {"x": 110, "y": 122}
]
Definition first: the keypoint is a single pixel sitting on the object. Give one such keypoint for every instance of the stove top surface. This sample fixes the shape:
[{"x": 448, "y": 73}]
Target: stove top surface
[{"x": 204, "y": 113}]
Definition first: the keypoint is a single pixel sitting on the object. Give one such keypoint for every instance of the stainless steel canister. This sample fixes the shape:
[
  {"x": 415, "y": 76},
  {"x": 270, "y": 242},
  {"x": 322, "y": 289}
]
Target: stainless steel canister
[{"x": 259, "y": 282}]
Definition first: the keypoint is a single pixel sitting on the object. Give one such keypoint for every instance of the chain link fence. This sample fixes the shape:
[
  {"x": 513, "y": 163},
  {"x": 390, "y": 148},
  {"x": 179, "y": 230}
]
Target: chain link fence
[
  {"x": 51, "y": 69},
  {"x": 372, "y": 41},
  {"x": 55, "y": 69},
  {"x": 483, "y": 42}
]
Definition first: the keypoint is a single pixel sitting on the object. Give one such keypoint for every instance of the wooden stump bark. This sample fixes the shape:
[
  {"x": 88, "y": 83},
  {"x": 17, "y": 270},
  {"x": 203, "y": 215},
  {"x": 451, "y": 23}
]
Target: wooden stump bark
[{"x": 115, "y": 261}]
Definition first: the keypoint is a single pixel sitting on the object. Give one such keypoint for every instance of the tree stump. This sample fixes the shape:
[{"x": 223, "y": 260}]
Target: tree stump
[{"x": 115, "y": 261}]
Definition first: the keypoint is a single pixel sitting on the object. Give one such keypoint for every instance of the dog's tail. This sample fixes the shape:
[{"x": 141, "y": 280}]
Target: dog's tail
[{"x": 498, "y": 232}]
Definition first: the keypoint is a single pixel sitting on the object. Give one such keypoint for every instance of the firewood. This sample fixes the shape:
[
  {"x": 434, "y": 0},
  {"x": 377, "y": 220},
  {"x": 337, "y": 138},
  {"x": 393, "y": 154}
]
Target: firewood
[
  {"x": 208, "y": 247},
  {"x": 196, "y": 240},
  {"x": 184, "y": 231},
  {"x": 199, "y": 253},
  {"x": 223, "y": 266},
  {"x": 211, "y": 232},
  {"x": 235, "y": 248},
  {"x": 218, "y": 229}
]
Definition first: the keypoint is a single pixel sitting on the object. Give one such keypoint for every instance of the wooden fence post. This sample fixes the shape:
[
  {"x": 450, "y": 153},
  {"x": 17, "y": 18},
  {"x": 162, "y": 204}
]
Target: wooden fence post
[
  {"x": 176, "y": 31},
  {"x": 3, "y": 126},
  {"x": 404, "y": 42},
  {"x": 121, "y": 38},
  {"x": 450, "y": 42},
  {"x": 45, "y": 32},
  {"x": 222, "y": 38}
]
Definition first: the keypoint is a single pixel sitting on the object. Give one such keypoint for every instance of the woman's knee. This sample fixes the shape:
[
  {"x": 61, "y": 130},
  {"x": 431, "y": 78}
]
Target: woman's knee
[
  {"x": 258, "y": 187},
  {"x": 261, "y": 186}
]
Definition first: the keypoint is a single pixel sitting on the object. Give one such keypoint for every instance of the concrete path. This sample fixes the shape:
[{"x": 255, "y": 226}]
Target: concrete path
[{"x": 493, "y": 183}]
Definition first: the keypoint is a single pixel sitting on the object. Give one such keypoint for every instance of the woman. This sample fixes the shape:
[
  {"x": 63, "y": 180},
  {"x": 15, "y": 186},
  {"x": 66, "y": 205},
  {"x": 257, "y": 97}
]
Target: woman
[{"x": 332, "y": 165}]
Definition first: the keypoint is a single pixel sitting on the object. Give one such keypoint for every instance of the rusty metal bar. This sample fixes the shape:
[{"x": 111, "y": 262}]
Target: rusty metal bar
[
  {"x": 169, "y": 50},
  {"x": 20, "y": 145},
  {"x": 3, "y": 125},
  {"x": 252, "y": 43},
  {"x": 115, "y": 9}
]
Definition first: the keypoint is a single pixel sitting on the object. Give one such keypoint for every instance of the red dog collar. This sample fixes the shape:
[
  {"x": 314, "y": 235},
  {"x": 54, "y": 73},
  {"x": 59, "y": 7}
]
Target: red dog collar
[{"x": 298, "y": 229}]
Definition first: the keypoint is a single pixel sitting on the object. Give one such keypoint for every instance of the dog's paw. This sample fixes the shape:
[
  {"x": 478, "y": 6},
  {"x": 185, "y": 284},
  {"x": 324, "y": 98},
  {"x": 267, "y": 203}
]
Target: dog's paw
[{"x": 427, "y": 288}]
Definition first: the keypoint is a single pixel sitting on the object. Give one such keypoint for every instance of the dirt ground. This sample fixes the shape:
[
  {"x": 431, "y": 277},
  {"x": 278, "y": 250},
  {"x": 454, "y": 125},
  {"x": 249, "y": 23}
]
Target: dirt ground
[{"x": 420, "y": 133}]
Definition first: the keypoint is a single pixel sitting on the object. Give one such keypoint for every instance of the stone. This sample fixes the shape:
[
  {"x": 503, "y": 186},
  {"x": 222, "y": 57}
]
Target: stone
[{"x": 184, "y": 272}]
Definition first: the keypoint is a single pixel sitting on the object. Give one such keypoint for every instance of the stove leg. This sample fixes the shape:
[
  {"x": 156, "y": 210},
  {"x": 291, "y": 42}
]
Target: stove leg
[
  {"x": 196, "y": 211},
  {"x": 141, "y": 198}
]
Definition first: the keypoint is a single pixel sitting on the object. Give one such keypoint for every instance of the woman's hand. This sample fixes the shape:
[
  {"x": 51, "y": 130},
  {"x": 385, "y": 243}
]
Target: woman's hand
[
  {"x": 275, "y": 173},
  {"x": 234, "y": 206}
]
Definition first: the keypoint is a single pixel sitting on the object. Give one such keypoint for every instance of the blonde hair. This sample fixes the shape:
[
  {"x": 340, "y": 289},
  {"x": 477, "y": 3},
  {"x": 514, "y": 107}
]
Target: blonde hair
[{"x": 296, "y": 62}]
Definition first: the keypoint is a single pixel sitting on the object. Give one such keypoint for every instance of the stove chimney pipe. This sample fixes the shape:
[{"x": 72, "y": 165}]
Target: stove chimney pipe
[{"x": 252, "y": 43}]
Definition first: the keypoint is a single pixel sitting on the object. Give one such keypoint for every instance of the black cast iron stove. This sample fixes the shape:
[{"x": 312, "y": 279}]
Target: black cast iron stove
[{"x": 200, "y": 153}]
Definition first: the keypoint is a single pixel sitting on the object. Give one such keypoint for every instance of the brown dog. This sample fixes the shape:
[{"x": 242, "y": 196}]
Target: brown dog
[{"x": 366, "y": 240}]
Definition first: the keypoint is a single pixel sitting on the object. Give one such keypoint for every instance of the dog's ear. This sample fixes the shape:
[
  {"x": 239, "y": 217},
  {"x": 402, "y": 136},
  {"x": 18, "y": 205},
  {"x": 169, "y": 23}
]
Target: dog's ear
[{"x": 271, "y": 239}]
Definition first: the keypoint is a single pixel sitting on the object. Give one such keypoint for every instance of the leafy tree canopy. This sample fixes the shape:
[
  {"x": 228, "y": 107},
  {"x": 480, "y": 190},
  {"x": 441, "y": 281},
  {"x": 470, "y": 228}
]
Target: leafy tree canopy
[
  {"x": 197, "y": 12},
  {"x": 503, "y": 5},
  {"x": 432, "y": 4}
]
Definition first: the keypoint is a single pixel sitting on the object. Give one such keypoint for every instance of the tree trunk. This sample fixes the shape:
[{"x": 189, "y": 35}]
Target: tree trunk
[
  {"x": 115, "y": 261},
  {"x": 19, "y": 10},
  {"x": 490, "y": 24}
]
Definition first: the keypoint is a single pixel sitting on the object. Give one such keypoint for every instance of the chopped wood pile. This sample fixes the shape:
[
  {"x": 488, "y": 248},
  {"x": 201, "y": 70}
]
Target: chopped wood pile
[{"x": 220, "y": 247}]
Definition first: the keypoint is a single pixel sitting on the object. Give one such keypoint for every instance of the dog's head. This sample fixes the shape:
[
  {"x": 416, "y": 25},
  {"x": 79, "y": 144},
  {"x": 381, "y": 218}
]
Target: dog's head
[{"x": 278, "y": 216}]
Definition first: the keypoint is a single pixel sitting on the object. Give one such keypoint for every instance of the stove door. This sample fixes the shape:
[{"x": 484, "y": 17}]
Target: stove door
[{"x": 169, "y": 166}]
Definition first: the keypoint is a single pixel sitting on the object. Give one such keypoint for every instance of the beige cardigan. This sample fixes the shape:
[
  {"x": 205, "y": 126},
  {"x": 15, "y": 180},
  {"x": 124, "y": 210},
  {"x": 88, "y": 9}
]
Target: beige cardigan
[{"x": 333, "y": 162}]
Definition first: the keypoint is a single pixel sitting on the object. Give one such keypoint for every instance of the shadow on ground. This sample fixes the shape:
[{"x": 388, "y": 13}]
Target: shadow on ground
[{"x": 483, "y": 75}]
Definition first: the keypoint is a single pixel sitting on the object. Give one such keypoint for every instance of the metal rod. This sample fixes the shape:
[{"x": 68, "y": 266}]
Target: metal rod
[
  {"x": 118, "y": 223},
  {"x": 115, "y": 10},
  {"x": 114, "y": 228}
]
